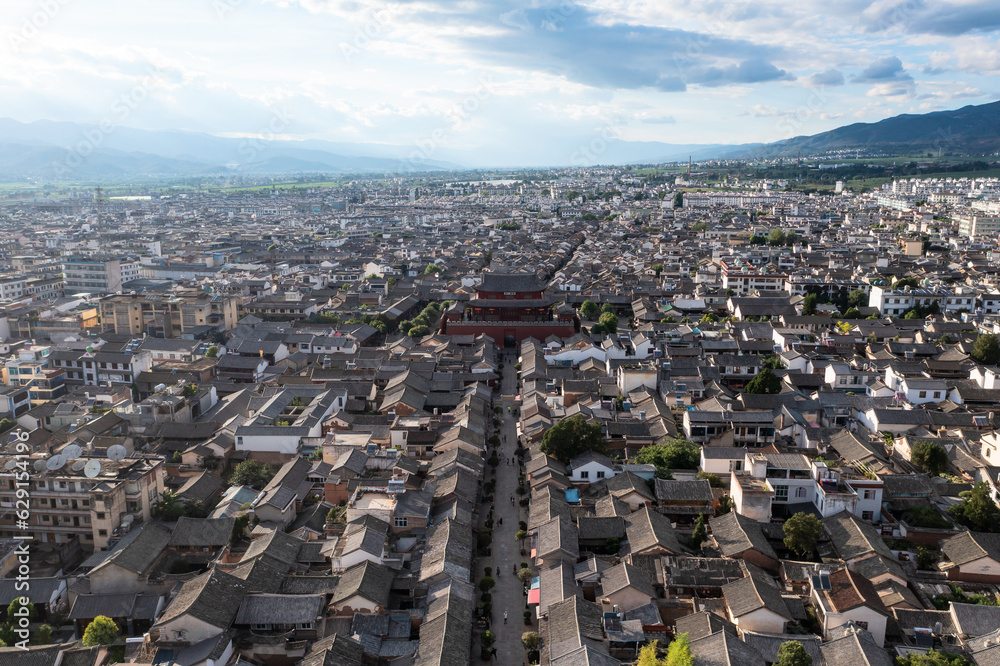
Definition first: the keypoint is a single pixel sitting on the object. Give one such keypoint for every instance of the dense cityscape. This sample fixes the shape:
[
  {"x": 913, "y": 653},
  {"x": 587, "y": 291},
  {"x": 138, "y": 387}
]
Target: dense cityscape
[{"x": 585, "y": 416}]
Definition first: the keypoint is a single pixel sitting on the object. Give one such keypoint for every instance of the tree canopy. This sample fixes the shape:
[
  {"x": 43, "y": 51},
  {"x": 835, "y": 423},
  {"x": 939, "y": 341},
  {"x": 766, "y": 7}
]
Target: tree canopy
[
  {"x": 571, "y": 437},
  {"x": 986, "y": 349},
  {"x": 792, "y": 653},
  {"x": 101, "y": 631},
  {"x": 933, "y": 658},
  {"x": 589, "y": 309},
  {"x": 802, "y": 531},
  {"x": 677, "y": 453},
  {"x": 679, "y": 652},
  {"x": 929, "y": 456},
  {"x": 252, "y": 473},
  {"x": 977, "y": 511},
  {"x": 764, "y": 382}
]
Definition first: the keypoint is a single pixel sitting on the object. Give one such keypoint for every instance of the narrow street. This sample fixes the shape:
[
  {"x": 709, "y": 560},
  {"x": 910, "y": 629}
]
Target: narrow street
[{"x": 508, "y": 594}]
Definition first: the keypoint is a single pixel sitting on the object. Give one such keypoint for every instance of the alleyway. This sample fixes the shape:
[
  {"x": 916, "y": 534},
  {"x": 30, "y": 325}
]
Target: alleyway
[{"x": 508, "y": 594}]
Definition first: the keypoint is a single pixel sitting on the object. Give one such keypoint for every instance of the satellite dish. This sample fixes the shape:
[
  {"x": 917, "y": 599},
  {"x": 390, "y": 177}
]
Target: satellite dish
[
  {"x": 11, "y": 464},
  {"x": 55, "y": 462},
  {"x": 117, "y": 452},
  {"x": 92, "y": 468},
  {"x": 72, "y": 452},
  {"x": 79, "y": 465},
  {"x": 39, "y": 465}
]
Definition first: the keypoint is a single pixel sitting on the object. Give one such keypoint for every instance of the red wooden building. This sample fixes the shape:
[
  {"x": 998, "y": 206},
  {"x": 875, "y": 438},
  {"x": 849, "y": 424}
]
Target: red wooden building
[{"x": 510, "y": 307}]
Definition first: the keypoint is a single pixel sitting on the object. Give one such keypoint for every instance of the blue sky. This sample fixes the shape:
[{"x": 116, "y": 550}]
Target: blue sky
[{"x": 538, "y": 79}]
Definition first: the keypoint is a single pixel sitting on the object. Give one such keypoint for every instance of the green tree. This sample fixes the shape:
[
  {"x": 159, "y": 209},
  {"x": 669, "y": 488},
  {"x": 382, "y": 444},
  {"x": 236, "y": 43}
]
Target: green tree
[
  {"x": 212, "y": 352},
  {"x": 677, "y": 453},
  {"x": 572, "y": 194},
  {"x": 589, "y": 309},
  {"x": 679, "y": 652},
  {"x": 802, "y": 531},
  {"x": 986, "y": 349},
  {"x": 6, "y": 424},
  {"x": 977, "y": 511},
  {"x": 647, "y": 655},
  {"x": 857, "y": 298},
  {"x": 530, "y": 640},
  {"x": 240, "y": 528},
  {"x": 764, "y": 382},
  {"x": 679, "y": 200},
  {"x": 910, "y": 282},
  {"x": 101, "y": 631},
  {"x": 486, "y": 584},
  {"x": 419, "y": 331},
  {"x": 933, "y": 658},
  {"x": 930, "y": 457},
  {"x": 571, "y": 437},
  {"x": 609, "y": 322},
  {"x": 773, "y": 362},
  {"x": 852, "y": 313},
  {"x": 792, "y": 653},
  {"x": 524, "y": 575},
  {"x": 657, "y": 268},
  {"x": 776, "y": 237},
  {"x": 713, "y": 480},
  {"x": 809, "y": 304},
  {"x": 709, "y": 318},
  {"x": 432, "y": 269},
  {"x": 251, "y": 473},
  {"x": 169, "y": 506},
  {"x": 700, "y": 533},
  {"x": 43, "y": 635}
]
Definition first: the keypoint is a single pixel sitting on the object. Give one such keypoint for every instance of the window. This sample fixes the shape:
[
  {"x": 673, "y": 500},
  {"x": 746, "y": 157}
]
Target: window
[
  {"x": 867, "y": 515},
  {"x": 923, "y": 394},
  {"x": 781, "y": 493},
  {"x": 600, "y": 475},
  {"x": 100, "y": 515},
  {"x": 304, "y": 625},
  {"x": 400, "y": 522},
  {"x": 584, "y": 474},
  {"x": 800, "y": 492},
  {"x": 102, "y": 533},
  {"x": 869, "y": 494},
  {"x": 260, "y": 627}
]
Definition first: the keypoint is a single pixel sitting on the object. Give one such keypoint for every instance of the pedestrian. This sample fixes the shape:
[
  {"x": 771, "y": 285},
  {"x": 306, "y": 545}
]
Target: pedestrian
[
  {"x": 493, "y": 652},
  {"x": 505, "y": 617},
  {"x": 514, "y": 569},
  {"x": 500, "y": 521}
]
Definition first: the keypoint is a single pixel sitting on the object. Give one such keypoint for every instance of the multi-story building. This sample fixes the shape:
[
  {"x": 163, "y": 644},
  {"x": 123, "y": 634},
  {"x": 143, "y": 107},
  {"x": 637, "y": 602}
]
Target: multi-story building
[
  {"x": 98, "y": 275},
  {"x": 12, "y": 287},
  {"x": 168, "y": 315},
  {"x": 32, "y": 369},
  {"x": 96, "y": 368},
  {"x": 979, "y": 227},
  {"x": 743, "y": 278},
  {"x": 66, "y": 504}
]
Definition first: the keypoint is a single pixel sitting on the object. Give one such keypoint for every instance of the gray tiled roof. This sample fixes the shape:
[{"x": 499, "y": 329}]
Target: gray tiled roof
[
  {"x": 754, "y": 593},
  {"x": 280, "y": 609},
  {"x": 724, "y": 649},
  {"x": 369, "y": 580},
  {"x": 737, "y": 534},
  {"x": 647, "y": 529},
  {"x": 967, "y": 547},
  {"x": 213, "y": 597},
  {"x": 202, "y": 532}
]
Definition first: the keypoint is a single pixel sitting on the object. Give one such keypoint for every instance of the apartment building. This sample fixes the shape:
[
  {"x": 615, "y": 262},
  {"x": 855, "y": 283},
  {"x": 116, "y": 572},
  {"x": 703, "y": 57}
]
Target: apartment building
[
  {"x": 169, "y": 315},
  {"x": 98, "y": 275},
  {"x": 979, "y": 227},
  {"x": 66, "y": 504}
]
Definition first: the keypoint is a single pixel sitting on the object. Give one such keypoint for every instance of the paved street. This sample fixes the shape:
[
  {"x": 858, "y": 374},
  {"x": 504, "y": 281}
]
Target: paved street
[{"x": 508, "y": 594}]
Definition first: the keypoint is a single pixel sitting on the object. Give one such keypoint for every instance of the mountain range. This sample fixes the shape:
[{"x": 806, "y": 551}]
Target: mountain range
[{"x": 72, "y": 151}]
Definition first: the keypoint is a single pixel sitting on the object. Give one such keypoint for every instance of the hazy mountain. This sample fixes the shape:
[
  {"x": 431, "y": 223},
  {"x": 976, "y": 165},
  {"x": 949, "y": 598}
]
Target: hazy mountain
[
  {"x": 64, "y": 150},
  {"x": 971, "y": 130}
]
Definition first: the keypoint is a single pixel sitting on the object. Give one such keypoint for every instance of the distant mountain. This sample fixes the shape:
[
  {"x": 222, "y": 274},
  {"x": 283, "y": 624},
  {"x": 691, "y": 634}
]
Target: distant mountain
[
  {"x": 61, "y": 150},
  {"x": 971, "y": 130}
]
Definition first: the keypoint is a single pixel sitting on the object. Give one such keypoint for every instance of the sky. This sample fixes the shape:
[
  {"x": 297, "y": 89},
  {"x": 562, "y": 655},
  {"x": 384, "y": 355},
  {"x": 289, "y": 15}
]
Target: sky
[{"x": 539, "y": 81}]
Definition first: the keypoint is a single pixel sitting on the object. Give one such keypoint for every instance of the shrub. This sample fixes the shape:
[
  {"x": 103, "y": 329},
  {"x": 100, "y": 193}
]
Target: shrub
[{"x": 487, "y": 584}]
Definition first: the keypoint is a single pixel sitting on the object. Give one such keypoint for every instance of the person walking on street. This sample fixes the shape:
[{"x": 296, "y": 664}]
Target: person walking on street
[
  {"x": 505, "y": 617},
  {"x": 501, "y": 520}
]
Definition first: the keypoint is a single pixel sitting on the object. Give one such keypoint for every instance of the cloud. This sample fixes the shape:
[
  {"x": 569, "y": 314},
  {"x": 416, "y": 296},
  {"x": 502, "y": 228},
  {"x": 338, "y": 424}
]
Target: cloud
[
  {"x": 831, "y": 77},
  {"x": 888, "y": 68},
  {"x": 755, "y": 70}
]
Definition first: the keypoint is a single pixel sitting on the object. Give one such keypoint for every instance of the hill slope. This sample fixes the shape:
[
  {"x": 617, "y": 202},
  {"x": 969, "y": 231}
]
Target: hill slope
[{"x": 971, "y": 130}]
